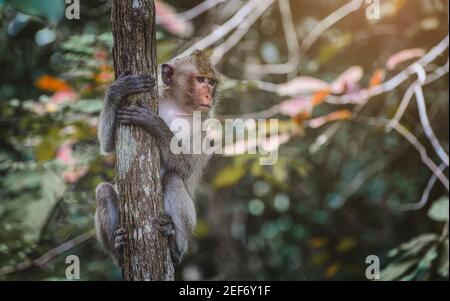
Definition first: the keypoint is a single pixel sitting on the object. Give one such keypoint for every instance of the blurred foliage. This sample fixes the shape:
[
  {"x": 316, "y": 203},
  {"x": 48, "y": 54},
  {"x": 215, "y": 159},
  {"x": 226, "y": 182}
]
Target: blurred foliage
[
  {"x": 294, "y": 220},
  {"x": 425, "y": 257}
]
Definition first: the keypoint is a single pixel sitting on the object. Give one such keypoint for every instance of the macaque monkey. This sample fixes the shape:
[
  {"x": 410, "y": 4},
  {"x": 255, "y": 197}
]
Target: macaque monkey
[{"x": 190, "y": 84}]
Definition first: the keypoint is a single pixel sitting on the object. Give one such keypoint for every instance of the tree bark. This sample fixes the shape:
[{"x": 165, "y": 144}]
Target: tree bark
[{"x": 146, "y": 255}]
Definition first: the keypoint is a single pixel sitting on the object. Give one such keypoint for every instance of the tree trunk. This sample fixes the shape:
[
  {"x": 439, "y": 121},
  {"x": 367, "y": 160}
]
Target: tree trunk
[{"x": 146, "y": 255}]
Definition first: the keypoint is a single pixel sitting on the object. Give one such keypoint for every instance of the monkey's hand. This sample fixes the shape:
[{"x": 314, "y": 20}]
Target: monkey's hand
[
  {"x": 141, "y": 116},
  {"x": 127, "y": 85},
  {"x": 119, "y": 239}
]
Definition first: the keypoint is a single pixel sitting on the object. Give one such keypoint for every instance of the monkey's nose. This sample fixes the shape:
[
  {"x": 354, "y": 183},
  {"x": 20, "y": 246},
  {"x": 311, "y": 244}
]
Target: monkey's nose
[{"x": 206, "y": 101}]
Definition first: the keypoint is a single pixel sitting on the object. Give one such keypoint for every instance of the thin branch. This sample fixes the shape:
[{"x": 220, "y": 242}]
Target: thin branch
[
  {"x": 402, "y": 107},
  {"x": 423, "y": 154},
  {"x": 425, "y": 194},
  {"x": 358, "y": 180},
  {"x": 224, "y": 29},
  {"x": 240, "y": 32},
  {"x": 424, "y": 61},
  {"x": 418, "y": 146},
  {"x": 264, "y": 86},
  {"x": 292, "y": 44},
  {"x": 362, "y": 98},
  {"x": 274, "y": 88},
  {"x": 437, "y": 74},
  {"x": 326, "y": 23},
  {"x": 427, "y": 126},
  {"x": 50, "y": 255},
  {"x": 191, "y": 13},
  {"x": 363, "y": 176},
  {"x": 394, "y": 82}
]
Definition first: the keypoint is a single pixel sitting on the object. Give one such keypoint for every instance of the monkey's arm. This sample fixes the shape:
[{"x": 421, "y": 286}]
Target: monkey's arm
[
  {"x": 141, "y": 116},
  {"x": 125, "y": 86}
]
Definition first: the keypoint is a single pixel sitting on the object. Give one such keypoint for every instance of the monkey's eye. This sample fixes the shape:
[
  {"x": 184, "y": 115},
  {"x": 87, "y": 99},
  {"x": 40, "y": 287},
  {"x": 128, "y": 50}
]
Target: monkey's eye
[
  {"x": 212, "y": 82},
  {"x": 201, "y": 79}
]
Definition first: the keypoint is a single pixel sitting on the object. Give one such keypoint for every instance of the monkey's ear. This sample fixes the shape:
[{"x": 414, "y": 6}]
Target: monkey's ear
[{"x": 167, "y": 71}]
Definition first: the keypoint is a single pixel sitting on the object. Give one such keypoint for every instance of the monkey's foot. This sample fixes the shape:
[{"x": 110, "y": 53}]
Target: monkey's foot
[
  {"x": 176, "y": 256},
  {"x": 120, "y": 239},
  {"x": 166, "y": 225},
  {"x": 167, "y": 229}
]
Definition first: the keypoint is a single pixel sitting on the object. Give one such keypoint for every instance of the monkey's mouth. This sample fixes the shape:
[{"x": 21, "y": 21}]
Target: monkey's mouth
[{"x": 205, "y": 106}]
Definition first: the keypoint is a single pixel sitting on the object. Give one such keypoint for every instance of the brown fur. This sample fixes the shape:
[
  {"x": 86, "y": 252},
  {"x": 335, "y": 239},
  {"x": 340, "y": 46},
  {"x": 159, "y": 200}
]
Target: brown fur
[{"x": 202, "y": 62}]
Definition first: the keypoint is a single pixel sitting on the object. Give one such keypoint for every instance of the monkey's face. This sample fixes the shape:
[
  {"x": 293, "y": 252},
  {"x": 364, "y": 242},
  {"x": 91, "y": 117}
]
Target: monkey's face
[
  {"x": 191, "y": 81},
  {"x": 203, "y": 92}
]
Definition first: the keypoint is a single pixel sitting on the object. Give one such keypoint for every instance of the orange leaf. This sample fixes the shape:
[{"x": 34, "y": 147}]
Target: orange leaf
[
  {"x": 337, "y": 115},
  {"x": 302, "y": 117},
  {"x": 377, "y": 78},
  {"x": 52, "y": 84},
  {"x": 319, "y": 97}
]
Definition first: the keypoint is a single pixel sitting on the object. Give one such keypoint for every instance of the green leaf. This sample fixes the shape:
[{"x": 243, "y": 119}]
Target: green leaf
[
  {"x": 229, "y": 176},
  {"x": 431, "y": 255},
  {"x": 52, "y": 10},
  {"x": 414, "y": 246},
  {"x": 439, "y": 210},
  {"x": 396, "y": 270}
]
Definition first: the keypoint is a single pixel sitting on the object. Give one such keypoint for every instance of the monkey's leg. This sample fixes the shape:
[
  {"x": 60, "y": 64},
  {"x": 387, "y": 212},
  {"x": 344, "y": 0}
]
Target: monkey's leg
[
  {"x": 181, "y": 210},
  {"x": 106, "y": 220}
]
